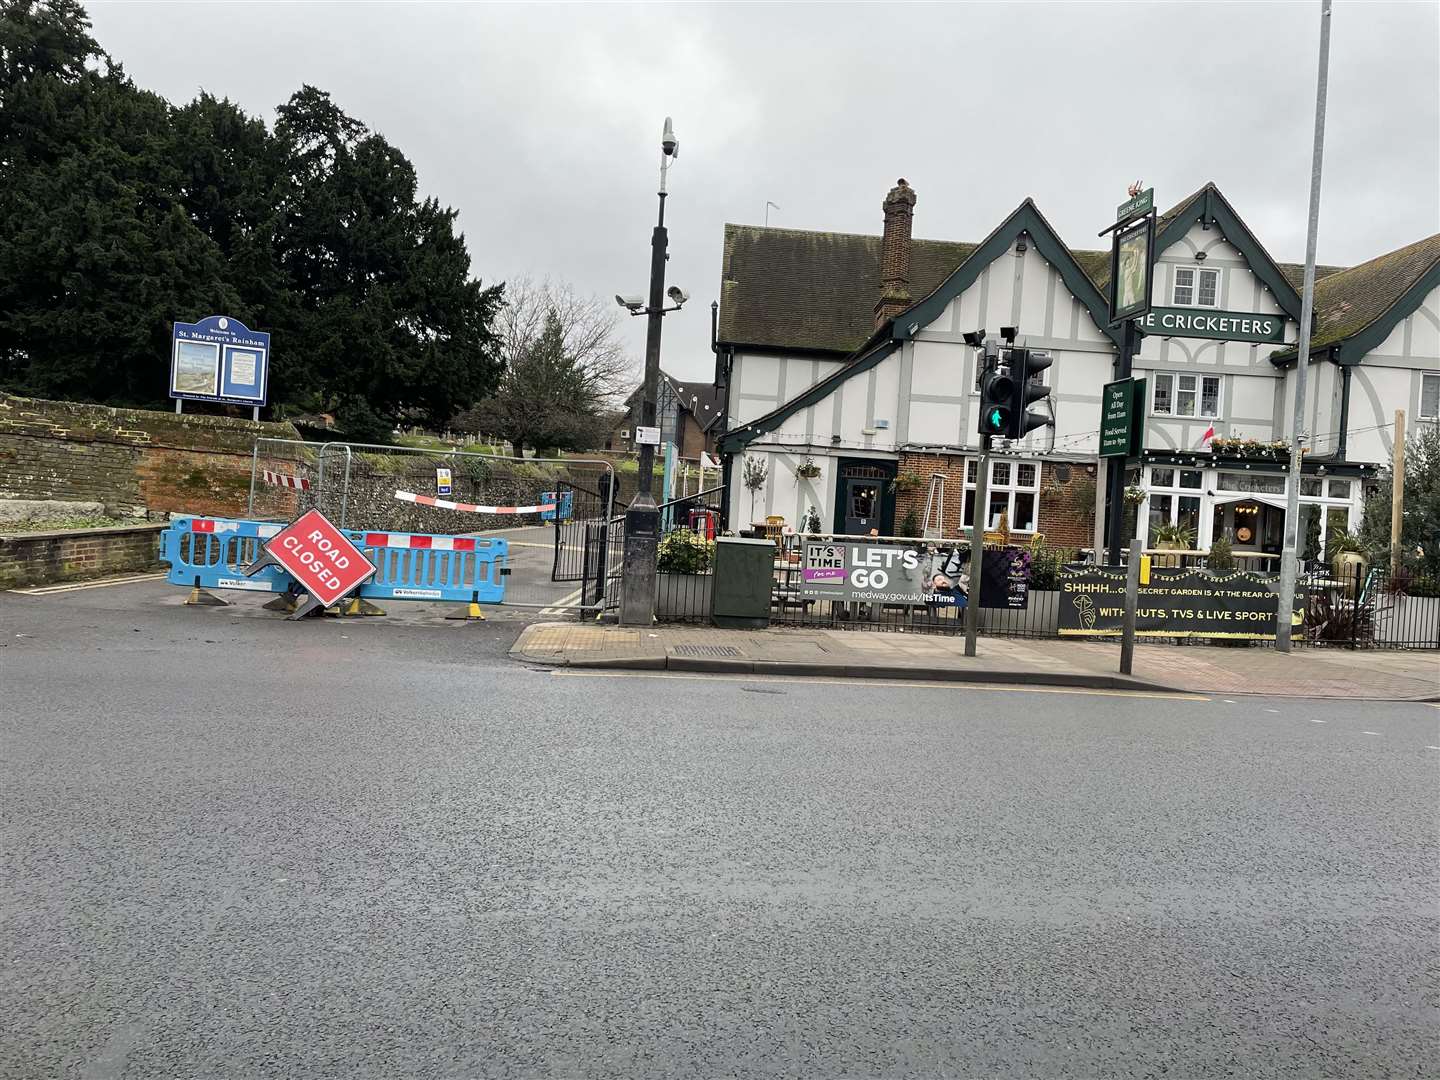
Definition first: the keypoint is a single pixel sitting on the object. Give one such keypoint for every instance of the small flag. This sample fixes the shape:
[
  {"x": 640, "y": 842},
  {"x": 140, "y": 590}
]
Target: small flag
[{"x": 1209, "y": 434}]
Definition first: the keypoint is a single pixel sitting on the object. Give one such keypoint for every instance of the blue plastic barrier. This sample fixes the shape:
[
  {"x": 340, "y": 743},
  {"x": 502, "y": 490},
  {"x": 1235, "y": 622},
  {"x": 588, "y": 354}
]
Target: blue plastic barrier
[
  {"x": 564, "y": 505},
  {"x": 212, "y": 553}
]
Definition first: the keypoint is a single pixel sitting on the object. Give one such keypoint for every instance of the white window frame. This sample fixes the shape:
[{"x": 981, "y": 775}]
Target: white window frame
[
  {"x": 1013, "y": 488},
  {"x": 1196, "y": 272},
  {"x": 1174, "y": 492},
  {"x": 1420, "y": 408},
  {"x": 1174, "y": 378}
]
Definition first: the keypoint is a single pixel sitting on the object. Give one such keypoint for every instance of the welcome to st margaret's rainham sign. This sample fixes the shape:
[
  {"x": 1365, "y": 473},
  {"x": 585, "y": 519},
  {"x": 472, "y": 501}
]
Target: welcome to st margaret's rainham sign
[{"x": 1224, "y": 325}]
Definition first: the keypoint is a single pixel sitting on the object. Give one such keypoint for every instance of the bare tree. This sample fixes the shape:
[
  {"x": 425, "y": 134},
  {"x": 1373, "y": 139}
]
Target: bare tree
[
  {"x": 566, "y": 370},
  {"x": 589, "y": 327}
]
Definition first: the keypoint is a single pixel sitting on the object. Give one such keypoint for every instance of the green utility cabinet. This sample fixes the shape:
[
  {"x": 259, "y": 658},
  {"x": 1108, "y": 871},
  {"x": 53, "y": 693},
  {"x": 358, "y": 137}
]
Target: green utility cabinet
[{"x": 744, "y": 571}]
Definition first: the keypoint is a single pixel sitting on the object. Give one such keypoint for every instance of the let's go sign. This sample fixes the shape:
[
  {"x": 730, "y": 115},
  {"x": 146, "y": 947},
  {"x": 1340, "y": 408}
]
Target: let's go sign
[{"x": 320, "y": 558}]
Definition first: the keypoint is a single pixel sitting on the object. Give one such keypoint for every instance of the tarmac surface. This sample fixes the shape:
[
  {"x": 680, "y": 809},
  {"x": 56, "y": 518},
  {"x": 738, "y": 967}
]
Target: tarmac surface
[{"x": 236, "y": 846}]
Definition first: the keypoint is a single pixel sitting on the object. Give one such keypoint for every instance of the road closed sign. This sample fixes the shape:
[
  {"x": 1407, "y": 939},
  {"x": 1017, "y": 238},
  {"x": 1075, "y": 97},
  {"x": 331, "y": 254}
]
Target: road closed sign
[{"x": 319, "y": 557}]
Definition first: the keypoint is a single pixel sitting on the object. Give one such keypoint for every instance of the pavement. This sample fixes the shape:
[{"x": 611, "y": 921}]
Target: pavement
[
  {"x": 1386, "y": 675},
  {"x": 236, "y": 846}
]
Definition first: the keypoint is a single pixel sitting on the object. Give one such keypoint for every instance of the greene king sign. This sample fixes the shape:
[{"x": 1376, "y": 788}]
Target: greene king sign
[{"x": 1223, "y": 325}]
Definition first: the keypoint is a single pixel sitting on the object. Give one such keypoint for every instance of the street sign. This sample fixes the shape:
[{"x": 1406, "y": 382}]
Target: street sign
[
  {"x": 443, "y": 485},
  {"x": 1134, "y": 207},
  {"x": 1219, "y": 325},
  {"x": 320, "y": 558},
  {"x": 647, "y": 436},
  {"x": 219, "y": 359},
  {"x": 1122, "y": 418}
]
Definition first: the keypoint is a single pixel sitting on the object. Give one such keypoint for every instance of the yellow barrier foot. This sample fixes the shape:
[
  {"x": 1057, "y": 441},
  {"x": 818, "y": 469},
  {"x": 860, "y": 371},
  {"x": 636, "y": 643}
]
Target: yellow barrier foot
[
  {"x": 201, "y": 598},
  {"x": 357, "y": 606},
  {"x": 286, "y": 602},
  {"x": 472, "y": 612}
]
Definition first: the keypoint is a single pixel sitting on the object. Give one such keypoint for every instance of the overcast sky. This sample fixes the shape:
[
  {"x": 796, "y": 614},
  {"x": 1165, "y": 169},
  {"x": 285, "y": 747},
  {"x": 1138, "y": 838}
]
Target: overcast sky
[{"x": 541, "y": 123}]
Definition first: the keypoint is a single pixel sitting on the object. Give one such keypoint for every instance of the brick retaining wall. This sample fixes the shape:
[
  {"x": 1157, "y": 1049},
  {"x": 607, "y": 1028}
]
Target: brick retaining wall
[
  {"x": 75, "y": 554},
  {"x": 130, "y": 460}
]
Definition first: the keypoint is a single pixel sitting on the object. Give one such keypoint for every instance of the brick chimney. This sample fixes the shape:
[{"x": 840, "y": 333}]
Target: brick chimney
[{"x": 899, "y": 208}]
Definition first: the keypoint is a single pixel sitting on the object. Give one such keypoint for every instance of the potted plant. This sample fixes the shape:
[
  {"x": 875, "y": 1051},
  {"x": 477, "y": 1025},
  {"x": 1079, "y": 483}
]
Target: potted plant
[
  {"x": 811, "y": 523},
  {"x": 683, "y": 579},
  {"x": 1134, "y": 495},
  {"x": 1347, "y": 559},
  {"x": 754, "y": 477},
  {"x": 1222, "y": 557},
  {"x": 1172, "y": 538},
  {"x": 807, "y": 469}
]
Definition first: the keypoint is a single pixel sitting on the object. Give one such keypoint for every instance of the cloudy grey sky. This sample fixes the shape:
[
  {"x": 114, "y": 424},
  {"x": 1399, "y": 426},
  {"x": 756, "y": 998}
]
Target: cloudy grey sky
[{"x": 541, "y": 123}]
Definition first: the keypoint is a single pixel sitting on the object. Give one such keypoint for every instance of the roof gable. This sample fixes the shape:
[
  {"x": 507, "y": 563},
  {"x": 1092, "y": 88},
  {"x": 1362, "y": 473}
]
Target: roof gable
[
  {"x": 1026, "y": 219},
  {"x": 1208, "y": 205}
]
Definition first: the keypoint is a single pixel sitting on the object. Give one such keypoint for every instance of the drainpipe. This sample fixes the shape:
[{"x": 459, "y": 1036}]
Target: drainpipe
[{"x": 1345, "y": 371}]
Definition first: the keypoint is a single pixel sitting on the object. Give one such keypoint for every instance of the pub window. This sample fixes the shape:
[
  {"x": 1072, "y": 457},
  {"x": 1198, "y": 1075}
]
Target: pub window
[
  {"x": 1185, "y": 395},
  {"x": 1209, "y": 288},
  {"x": 1014, "y": 491},
  {"x": 1430, "y": 395},
  {"x": 1196, "y": 287},
  {"x": 1184, "y": 285}
]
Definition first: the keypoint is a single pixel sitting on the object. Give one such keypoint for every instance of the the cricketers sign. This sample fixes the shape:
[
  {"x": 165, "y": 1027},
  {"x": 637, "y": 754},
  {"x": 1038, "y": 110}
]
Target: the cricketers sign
[{"x": 320, "y": 558}]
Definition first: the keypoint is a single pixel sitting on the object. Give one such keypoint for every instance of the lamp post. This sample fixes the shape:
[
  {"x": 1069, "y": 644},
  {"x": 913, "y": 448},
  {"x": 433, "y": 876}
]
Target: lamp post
[
  {"x": 1289, "y": 553},
  {"x": 642, "y": 519}
]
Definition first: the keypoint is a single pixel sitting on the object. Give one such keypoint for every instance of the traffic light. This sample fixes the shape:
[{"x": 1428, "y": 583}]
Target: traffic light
[
  {"x": 1025, "y": 364},
  {"x": 997, "y": 394}
]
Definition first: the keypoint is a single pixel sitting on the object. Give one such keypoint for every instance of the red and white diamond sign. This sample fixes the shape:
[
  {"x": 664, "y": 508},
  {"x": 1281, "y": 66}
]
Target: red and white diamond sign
[{"x": 319, "y": 557}]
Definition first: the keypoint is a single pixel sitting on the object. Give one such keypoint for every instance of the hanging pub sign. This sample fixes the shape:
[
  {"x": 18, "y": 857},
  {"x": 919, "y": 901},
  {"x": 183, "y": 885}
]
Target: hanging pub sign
[
  {"x": 1132, "y": 268},
  {"x": 1176, "y": 603},
  {"x": 219, "y": 359}
]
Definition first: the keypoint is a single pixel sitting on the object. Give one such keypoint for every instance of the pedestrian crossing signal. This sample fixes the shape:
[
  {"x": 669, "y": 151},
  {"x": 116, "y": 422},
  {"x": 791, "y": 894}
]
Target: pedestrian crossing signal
[{"x": 996, "y": 394}]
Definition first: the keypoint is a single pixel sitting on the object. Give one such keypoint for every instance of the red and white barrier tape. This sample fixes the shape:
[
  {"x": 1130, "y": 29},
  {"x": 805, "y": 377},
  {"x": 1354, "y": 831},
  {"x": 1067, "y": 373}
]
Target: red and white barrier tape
[
  {"x": 295, "y": 483},
  {"x": 471, "y": 508},
  {"x": 416, "y": 540}
]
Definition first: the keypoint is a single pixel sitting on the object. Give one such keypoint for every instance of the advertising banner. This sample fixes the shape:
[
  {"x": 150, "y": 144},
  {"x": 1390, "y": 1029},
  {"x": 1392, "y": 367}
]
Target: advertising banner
[
  {"x": 1176, "y": 603},
  {"x": 928, "y": 573}
]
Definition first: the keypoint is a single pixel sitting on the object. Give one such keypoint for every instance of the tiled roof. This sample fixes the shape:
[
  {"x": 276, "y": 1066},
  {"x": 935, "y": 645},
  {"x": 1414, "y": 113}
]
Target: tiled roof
[
  {"x": 1350, "y": 300},
  {"x": 700, "y": 397},
  {"x": 793, "y": 289}
]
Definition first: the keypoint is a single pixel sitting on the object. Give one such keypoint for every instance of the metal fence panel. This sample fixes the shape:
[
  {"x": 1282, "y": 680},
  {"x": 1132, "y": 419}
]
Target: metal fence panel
[{"x": 399, "y": 489}]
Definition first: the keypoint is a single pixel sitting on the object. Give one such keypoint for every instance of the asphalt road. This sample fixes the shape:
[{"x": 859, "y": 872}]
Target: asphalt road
[{"x": 236, "y": 846}]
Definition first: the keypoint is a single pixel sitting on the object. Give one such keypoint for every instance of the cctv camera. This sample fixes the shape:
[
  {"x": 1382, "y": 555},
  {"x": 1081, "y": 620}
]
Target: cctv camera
[
  {"x": 668, "y": 143},
  {"x": 677, "y": 294},
  {"x": 634, "y": 303}
]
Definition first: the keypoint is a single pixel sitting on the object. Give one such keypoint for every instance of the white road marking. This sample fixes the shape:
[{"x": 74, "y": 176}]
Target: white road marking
[
  {"x": 1369, "y": 733},
  {"x": 1314, "y": 721},
  {"x": 1229, "y": 701},
  {"x": 77, "y": 586},
  {"x": 562, "y": 606},
  {"x": 1432, "y": 748},
  {"x": 1272, "y": 710},
  {"x": 904, "y": 684}
]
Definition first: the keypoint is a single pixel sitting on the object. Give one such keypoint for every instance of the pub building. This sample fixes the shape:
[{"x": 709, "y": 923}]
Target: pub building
[{"x": 842, "y": 367}]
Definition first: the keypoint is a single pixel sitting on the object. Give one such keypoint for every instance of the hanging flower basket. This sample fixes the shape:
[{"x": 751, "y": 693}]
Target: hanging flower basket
[
  {"x": 807, "y": 469},
  {"x": 1134, "y": 496}
]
